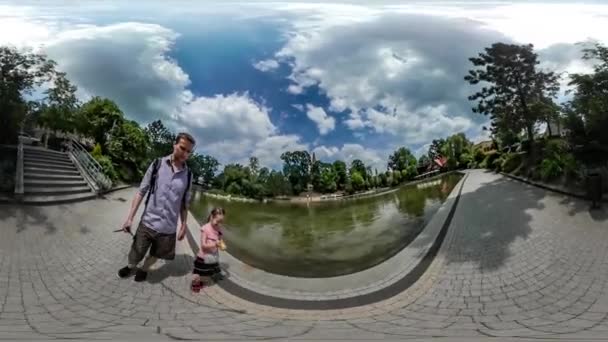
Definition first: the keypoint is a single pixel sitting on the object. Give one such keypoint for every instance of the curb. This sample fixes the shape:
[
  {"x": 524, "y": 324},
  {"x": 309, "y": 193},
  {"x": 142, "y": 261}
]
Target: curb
[
  {"x": 550, "y": 188},
  {"x": 343, "y": 303}
]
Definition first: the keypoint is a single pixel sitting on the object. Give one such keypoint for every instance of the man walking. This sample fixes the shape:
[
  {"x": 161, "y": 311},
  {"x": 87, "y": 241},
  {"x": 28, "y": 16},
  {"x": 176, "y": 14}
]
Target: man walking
[{"x": 167, "y": 182}]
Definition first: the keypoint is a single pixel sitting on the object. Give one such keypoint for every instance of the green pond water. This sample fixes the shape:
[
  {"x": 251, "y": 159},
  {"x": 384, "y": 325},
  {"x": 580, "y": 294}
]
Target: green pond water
[{"x": 330, "y": 238}]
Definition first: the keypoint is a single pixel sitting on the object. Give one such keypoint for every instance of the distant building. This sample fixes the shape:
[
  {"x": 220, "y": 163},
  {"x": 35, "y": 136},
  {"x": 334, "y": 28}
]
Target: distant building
[{"x": 484, "y": 146}]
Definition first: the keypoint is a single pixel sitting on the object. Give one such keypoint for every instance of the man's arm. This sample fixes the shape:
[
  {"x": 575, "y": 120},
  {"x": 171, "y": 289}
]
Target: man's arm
[
  {"x": 144, "y": 187},
  {"x": 184, "y": 212}
]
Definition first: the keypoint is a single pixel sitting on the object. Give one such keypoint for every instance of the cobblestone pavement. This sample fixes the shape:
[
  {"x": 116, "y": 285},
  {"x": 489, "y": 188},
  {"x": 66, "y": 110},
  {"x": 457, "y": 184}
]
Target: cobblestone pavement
[{"x": 517, "y": 262}]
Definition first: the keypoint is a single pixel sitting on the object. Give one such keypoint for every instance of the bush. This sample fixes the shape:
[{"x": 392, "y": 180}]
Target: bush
[
  {"x": 96, "y": 151},
  {"x": 550, "y": 169},
  {"x": 511, "y": 161},
  {"x": 488, "y": 161},
  {"x": 107, "y": 166},
  {"x": 497, "y": 164}
]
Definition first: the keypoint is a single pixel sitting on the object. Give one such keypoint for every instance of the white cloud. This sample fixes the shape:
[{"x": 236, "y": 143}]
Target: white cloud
[
  {"x": 266, "y": 65},
  {"x": 399, "y": 68},
  {"x": 227, "y": 117},
  {"x": 324, "y": 122},
  {"x": 125, "y": 62}
]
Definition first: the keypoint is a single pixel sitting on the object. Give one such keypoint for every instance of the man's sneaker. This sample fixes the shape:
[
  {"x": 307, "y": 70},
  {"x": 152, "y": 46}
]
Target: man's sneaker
[
  {"x": 125, "y": 272},
  {"x": 140, "y": 275}
]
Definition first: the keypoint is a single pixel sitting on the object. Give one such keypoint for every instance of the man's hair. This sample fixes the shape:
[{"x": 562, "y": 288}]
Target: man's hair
[{"x": 186, "y": 136}]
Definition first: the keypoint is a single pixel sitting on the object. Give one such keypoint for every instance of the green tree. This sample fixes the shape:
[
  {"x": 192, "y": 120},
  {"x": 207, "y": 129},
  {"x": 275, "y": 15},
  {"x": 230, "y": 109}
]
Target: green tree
[
  {"x": 296, "y": 167},
  {"x": 101, "y": 115},
  {"x": 205, "y": 167},
  {"x": 587, "y": 112},
  {"x": 59, "y": 110},
  {"x": 328, "y": 178},
  {"x": 435, "y": 149},
  {"x": 456, "y": 149},
  {"x": 278, "y": 184},
  {"x": 512, "y": 86},
  {"x": 315, "y": 175},
  {"x": 254, "y": 167},
  {"x": 20, "y": 74},
  {"x": 161, "y": 139},
  {"x": 357, "y": 166},
  {"x": 127, "y": 146},
  {"x": 357, "y": 181},
  {"x": 341, "y": 174}
]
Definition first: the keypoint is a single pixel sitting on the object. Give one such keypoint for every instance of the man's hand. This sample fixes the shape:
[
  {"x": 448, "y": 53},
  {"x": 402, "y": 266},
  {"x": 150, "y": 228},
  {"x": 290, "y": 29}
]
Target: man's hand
[
  {"x": 182, "y": 232},
  {"x": 126, "y": 227}
]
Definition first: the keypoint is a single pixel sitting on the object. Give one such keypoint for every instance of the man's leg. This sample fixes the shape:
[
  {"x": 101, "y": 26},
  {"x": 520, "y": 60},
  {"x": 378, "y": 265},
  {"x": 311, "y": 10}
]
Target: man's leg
[
  {"x": 162, "y": 246},
  {"x": 150, "y": 260},
  {"x": 139, "y": 248}
]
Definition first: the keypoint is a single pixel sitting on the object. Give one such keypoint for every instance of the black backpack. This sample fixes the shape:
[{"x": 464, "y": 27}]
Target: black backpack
[{"x": 155, "y": 168}]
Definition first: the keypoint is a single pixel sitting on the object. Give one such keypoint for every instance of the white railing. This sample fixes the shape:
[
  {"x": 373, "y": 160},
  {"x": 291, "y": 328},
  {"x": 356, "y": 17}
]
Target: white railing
[
  {"x": 91, "y": 167},
  {"x": 19, "y": 172}
]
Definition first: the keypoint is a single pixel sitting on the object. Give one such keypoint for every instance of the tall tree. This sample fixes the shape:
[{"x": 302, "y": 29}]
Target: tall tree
[
  {"x": 58, "y": 113},
  {"x": 161, "y": 138},
  {"x": 512, "y": 86},
  {"x": 357, "y": 166},
  {"x": 20, "y": 73},
  {"x": 341, "y": 174},
  {"x": 102, "y": 115},
  {"x": 327, "y": 178},
  {"x": 296, "y": 167},
  {"x": 588, "y": 110},
  {"x": 254, "y": 167},
  {"x": 203, "y": 166},
  {"x": 435, "y": 148}
]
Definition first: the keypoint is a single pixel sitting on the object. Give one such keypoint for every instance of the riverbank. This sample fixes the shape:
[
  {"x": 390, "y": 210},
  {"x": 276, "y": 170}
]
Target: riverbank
[{"x": 327, "y": 197}]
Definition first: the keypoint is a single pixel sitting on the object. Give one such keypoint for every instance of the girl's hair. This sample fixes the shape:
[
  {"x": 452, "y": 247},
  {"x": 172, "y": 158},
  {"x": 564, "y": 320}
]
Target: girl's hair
[{"x": 214, "y": 212}]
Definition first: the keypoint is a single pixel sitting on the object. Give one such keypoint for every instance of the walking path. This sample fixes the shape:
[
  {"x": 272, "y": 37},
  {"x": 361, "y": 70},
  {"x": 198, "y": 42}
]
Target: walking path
[{"x": 517, "y": 261}]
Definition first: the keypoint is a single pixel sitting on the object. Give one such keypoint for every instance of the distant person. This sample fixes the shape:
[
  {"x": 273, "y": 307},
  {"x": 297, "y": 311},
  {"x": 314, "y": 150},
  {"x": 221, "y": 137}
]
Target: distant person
[
  {"x": 167, "y": 182},
  {"x": 207, "y": 262}
]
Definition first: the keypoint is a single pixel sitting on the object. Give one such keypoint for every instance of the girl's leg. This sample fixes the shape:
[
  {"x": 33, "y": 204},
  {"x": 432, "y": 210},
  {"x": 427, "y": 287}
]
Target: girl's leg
[{"x": 196, "y": 283}]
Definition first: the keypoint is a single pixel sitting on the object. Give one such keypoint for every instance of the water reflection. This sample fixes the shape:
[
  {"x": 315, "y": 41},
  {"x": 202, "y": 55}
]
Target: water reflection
[{"x": 329, "y": 238}]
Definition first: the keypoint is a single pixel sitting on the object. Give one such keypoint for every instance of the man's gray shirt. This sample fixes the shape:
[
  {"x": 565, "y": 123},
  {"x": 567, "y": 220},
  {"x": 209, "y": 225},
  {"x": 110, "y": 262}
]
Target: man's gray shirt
[{"x": 165, "y": 203}]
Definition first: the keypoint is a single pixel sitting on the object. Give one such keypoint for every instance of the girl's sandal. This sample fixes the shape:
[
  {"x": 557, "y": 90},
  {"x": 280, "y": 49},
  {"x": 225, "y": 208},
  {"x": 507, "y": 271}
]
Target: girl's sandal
[{"x": 196, "y": 286}]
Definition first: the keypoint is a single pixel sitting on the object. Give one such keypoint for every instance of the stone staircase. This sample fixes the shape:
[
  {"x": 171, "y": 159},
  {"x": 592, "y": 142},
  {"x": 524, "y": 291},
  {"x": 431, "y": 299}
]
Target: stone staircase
[{"x": 51, "y": 177}]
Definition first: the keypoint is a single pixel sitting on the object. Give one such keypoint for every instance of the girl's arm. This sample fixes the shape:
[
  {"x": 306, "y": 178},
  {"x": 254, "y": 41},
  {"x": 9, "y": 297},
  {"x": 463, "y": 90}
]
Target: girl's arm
[{"x": 206, "y": 245}]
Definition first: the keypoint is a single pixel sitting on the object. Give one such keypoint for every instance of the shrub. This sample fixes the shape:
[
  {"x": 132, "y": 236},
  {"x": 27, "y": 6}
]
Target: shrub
[
  {"x": 488, "y": 161},
  {"x": 107, "y": 166},
  {"x": 511, "y": 161},
  {"x": 550, "y": 169},
  {"x": 497, "y": 164}
]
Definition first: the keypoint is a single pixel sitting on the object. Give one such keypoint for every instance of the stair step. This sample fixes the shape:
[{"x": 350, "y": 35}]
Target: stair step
[
  {"x": 44, "y": 163},
  {"x": 50, "y": 177},
  {"x": 60, "y": 156},
  {"x": 47, "y": 171},
  {"x": 50, "y": 166},
  {"x": 50, "y": 190},
  {"x": 47, "y": 160},
  {"x": 56, "y": 199},
  {"x": 54, "y": 183},
  {"x": 41, "y": 150}
]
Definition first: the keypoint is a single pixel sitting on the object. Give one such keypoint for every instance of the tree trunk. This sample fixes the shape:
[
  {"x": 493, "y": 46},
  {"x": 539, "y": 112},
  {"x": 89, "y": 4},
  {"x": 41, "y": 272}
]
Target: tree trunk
[{"x": 530, "y": 132}]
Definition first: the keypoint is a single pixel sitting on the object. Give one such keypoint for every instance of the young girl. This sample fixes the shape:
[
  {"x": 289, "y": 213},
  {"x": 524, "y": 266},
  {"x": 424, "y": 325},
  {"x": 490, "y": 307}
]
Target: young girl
[{"x": 207, "y": 258}]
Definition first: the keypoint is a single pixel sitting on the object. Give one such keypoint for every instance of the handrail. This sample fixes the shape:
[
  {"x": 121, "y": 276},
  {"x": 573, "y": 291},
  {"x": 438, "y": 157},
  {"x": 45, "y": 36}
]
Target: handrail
[
  {"x": 90, "y": 165},
  {"x": 19, "y": 188}
]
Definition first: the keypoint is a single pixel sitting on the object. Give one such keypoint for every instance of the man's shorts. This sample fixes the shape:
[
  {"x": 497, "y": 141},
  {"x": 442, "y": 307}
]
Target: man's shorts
[{"x": 162, "y": 246}]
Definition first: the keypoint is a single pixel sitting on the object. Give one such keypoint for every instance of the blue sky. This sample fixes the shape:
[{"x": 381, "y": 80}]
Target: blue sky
[{"x": 345, "y": 80}]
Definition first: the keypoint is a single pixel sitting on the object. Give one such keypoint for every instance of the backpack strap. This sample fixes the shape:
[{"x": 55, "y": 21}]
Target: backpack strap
[
  {"x": 155, "y": 168},
  {"x": 187, "y": 188}
]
